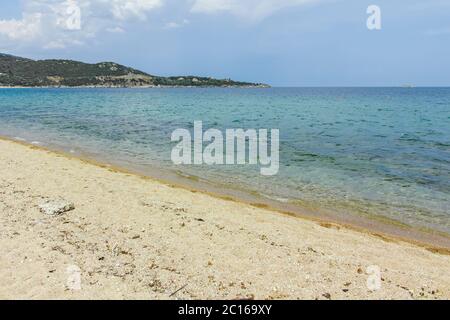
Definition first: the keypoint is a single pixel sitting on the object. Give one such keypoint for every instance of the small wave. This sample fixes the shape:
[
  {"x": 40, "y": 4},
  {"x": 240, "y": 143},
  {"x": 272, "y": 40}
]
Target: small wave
[
  {"x": 284, "y": 200},
  {"x": 441, "y": 144},
  {"x": 409, "y": 138}
]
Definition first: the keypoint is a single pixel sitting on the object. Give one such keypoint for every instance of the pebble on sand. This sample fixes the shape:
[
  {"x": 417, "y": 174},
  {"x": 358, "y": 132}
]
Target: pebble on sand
[{"x": 56, "y": 207}]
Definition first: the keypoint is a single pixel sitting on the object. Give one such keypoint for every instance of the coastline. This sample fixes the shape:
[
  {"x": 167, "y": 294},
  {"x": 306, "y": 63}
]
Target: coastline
[
  {"x": 136, "y": 237},
  {"x": 134, "y": 87},
  {"x": 382, "y": 227}
]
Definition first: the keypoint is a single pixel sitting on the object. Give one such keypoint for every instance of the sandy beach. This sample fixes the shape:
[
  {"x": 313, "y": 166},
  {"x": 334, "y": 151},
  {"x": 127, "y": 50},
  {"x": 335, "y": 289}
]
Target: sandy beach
[{"x": 132, "y": 237}]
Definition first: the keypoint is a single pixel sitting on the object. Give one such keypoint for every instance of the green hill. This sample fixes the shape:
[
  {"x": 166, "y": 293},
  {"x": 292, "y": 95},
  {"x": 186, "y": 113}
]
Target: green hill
[{"x": 22, "y": 72}]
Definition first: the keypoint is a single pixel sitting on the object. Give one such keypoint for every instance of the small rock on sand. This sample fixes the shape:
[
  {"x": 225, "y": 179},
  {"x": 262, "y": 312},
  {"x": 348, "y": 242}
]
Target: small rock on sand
[{"x": 56, "y": 207}]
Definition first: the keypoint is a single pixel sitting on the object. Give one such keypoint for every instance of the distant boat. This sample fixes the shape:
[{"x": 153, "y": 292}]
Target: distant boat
[{"x": 408, "y": 86}]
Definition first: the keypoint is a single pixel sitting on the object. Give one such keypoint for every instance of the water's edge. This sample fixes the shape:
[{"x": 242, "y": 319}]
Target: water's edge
[{"x": 388, "y": 230}]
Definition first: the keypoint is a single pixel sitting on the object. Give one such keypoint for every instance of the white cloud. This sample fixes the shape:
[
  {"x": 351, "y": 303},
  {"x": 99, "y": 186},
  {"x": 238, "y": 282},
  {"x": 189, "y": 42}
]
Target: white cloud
[
  {"x": 210, "y": 6},
  {"x": 249, "y": 9},
  {"x": 172, "y": 25},
  {"x": 115, "y": 30},
  {"x": 56, "y": 24},
  {"x": 26, "y": 28},
  {"x": 176, "y": 25},
  {"x": 125, "y": 9}
]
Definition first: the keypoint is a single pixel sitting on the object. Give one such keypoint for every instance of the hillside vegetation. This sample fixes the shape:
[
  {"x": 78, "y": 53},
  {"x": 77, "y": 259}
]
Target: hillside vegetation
[{"x": 22, "y": 72}]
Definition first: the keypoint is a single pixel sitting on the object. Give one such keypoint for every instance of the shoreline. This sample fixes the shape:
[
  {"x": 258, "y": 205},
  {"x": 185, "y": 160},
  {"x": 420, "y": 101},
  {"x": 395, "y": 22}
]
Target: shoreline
[
  {"x": 384, "y": 228},
  {"x": 131, "y": 237},
  {"x": 136, "y": 87}
]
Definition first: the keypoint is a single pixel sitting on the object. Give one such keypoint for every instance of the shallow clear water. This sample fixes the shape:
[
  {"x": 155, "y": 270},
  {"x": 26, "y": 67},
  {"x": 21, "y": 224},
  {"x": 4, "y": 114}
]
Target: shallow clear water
[{"x": 364, "y": 151}]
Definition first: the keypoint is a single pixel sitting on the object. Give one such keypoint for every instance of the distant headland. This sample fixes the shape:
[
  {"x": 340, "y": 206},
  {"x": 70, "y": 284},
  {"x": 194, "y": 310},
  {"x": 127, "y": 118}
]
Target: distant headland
[{"x": 22, "y": 72}]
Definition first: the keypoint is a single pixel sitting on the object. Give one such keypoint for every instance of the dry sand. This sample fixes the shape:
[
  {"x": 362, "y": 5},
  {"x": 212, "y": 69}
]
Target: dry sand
[{"x": 136, "y": 238}]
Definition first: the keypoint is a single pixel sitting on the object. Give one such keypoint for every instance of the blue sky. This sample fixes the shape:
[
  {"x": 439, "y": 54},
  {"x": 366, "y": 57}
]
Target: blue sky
[{"x": 280, "y": 42}]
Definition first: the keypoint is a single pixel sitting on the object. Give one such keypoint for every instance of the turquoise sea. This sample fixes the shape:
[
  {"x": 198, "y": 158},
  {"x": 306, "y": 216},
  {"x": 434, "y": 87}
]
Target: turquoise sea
[{"x": 379, "y": 152}]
